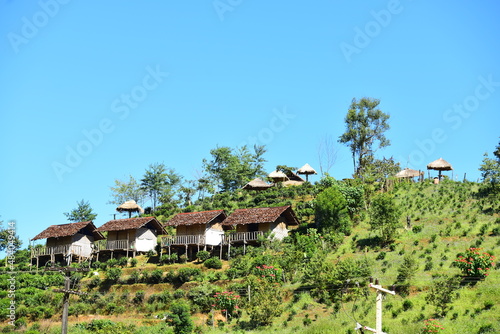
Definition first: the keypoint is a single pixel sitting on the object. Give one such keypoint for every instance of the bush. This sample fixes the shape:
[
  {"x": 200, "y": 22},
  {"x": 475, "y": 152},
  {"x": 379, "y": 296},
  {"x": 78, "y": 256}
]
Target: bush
[
  {"x": 122, "y": 262},
  {"x": 180, "y": 318},
  {"x": 475, "y": 264},
  {"x": 202, "y": 256},
  {"x": 156, "y": 276},
  {"x": 213, "y": 263},
  {"x": 113, "y": 274},
  {"x": 133, "y": 262},
  {"x": 138, "y": 298},
  {"x": 187, "y": 274},
  {"x": 407, "y": 305},
  {"x": 135, "y": 277},
  {"x": 417, "y": 228}
]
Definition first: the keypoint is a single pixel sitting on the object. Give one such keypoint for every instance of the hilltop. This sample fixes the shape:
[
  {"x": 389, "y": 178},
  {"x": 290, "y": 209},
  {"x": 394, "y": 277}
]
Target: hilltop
[{"x": 315, "y": 281}]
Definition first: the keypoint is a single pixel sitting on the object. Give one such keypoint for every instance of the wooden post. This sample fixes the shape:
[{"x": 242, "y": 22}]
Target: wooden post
[
  {"x": 128, "y": 238},
  {"x": 67, "y": 286},
  {"x": 67, "y": 292},
  {"x": 378, "y": 315}
]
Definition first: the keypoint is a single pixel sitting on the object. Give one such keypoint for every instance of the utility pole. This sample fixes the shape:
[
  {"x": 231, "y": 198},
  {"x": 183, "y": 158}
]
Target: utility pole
[
  {"x": 378, "y": 316},
  {"x": 67, "y": 292}
]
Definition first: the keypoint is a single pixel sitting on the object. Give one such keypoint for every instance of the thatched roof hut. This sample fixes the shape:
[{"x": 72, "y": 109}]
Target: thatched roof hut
[
  {"x": 70, "y": 229},
  {"x": 306, "y": 170},
  {"x": 440, "y": 165},
  {"x": 130, "y": 206},
  {"x": 278, "y": 176},
  {"x": 408, "y": 173},
  {"x": 257, "y": 184}
]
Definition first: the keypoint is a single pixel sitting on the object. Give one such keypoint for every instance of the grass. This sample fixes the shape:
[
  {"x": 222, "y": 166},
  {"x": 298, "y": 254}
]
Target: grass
[{"x": 452, "y": 219}]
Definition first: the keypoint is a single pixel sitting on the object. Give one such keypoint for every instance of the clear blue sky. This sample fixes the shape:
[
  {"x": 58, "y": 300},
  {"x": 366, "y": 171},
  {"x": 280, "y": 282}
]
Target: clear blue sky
[{"x": 94, "y": 91}]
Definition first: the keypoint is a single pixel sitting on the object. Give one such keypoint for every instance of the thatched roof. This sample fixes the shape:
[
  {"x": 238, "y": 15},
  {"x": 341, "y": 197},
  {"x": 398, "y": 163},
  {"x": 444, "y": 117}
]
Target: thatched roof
[
  {"x": 293, "y": 183},
  {"x": 306, "y": 169},
  {"x": 261, "y": 215},
  {"x": 278, "y": 175},
  {"x": 256, "y": 184},
  {"x": 193, "y": 218},
  {"x": 130, "y": 206},
  {"x": 440, "y": 164},
  {"x": 133, "y": 224},
  {"x": 407, "y": 172},
  {"x": 66, "y": 230}
]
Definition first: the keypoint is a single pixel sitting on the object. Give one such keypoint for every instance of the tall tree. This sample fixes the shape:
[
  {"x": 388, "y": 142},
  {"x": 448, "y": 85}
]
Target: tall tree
[
  {"x": 159, "y": 183},
  {"x": 126, "y": 191},
  {"x": 231, "y": 170},
  {"x": 365, "y": 124},
  {"x": 331, "y": 212},
  {"x": 384, "y": 217},
  {"x": 490, "y": 169},
  {"x": 8, "y": 237},
  {"x": 83, "y": 212}
]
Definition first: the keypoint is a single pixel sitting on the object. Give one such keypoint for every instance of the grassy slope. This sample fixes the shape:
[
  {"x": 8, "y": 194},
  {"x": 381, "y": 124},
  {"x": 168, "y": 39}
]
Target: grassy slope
[{"x": 452, "y": 220}]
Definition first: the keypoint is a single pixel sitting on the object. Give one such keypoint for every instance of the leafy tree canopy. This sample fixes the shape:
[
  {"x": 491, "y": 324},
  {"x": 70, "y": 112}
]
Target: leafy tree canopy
[
  {"x": 384, "y": 217},
  {"x": 83, "y": 212},
  {"x": 331, "y": 211},
  {"x": 231, "y": 169},
  {"x": 490, "y": 169},
  {"x": 160, "y": 183},
  {"x": 126, "y": 191},
  {"x": 365, "y": 124},
  {"x": 8, "y": 237}
]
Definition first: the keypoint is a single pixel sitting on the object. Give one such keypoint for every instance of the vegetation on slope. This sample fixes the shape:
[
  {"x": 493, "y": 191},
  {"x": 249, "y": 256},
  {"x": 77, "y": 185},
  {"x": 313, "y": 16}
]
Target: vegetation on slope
[{"x": 315, "y": 281}]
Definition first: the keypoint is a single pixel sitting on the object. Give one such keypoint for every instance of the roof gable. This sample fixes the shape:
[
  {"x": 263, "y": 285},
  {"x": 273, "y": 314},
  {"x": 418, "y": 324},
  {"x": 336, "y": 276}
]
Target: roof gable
[
  {"x": 194, "y": 218},
  {"x": 261, "y": 215},
  {"x": 132, "y": 224},
  {"x": 70, "y": 229}
]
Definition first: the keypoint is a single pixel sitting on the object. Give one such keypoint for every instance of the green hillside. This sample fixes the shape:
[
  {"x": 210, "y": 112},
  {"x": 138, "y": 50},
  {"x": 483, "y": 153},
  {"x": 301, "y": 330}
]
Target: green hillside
[{"x": 315, "y": 281}]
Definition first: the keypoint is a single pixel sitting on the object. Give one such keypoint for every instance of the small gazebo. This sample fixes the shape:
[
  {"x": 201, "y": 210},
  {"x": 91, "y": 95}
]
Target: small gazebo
[
  {"x": 440, "y": 165},
  {"x": 306, "y": 170},
  {"x": 130, "y": 206},
  {"x": 257, "y": 184},
  {"x": 408, "y": 173}
]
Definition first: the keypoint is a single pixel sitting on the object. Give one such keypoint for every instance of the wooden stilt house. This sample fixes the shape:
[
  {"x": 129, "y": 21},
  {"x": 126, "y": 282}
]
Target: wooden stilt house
[
  {"x": 129, "y": 236},
  {"x": 65, "y": 243},
  {"x": 195, "y": 231},
  {"x": 248, "y": 225}
]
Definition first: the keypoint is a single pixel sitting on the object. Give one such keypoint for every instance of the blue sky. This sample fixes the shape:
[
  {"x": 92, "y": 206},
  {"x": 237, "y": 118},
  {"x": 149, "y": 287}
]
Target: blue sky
[{"x": 96, "y": 91}]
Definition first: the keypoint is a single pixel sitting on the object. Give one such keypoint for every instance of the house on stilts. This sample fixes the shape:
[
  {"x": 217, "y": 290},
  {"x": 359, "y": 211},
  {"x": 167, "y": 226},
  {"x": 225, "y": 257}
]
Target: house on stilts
[
  {"x": 65, "y": 243},
  {"x": 195, "y": 231},
  {"x": 247, "y": 226},
  {"x": 127, "y": 237}
]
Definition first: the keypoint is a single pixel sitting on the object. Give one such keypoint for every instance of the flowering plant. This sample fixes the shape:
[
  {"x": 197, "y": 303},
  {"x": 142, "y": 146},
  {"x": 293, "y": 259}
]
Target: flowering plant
[
  {"x": 269, "y": 273},
  {"x": 432, "y": 326},
  {"x": 227, "y": 302},
  {"x": 474, "y": 263}
]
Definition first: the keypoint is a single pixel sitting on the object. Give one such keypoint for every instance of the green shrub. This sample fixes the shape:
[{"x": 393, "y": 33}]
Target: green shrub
[
  {"x": 155, "y": 276},
  {"x": 180, "y": 318},
  {"x": 133, "y": 262},
  {"x": 407, "y": 305},
  {"x": 178, "y": 294},
  {"x": 138, "y": 298},
  {"x": 473, "y": 263},
  {"x": 113, "y": 274},
  {"x": 187, "y": 274},
  {"x": 134, "y": 277},
  {"x": 417, "y": 228},
  {"x": 213, "y": 263},
  {"x": 122, "y": 262},
  {"x": 202, "y": 256}
]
